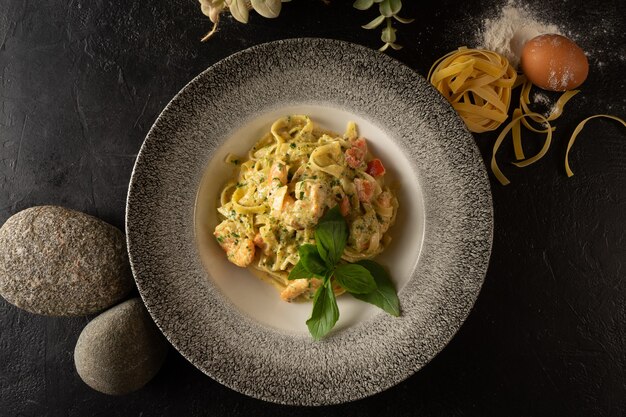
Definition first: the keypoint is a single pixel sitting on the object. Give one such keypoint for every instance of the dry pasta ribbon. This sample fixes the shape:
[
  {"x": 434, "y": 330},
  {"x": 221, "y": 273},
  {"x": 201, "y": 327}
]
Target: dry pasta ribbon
[
  {"x": 524, "y": 115},
  {"x": 514, "y": 125}
]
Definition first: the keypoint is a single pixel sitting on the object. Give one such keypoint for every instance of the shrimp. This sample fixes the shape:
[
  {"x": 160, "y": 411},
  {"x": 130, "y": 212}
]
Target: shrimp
[
  {"x": 359, "y": 237},
  {"x": 298, "y": 287},
  {"x": 355, "y": 155},
  {"x": 278, "y": 171},
  {"x": 280, "y": 198},
  {"x": 239, "y": 248},
  {"x": 384, "y": 199},
  {"x": 307, "y": 209},
  {"x": 294, "y": 289},
  {"x": 261, "y": 244},
  {"x": 364, "y": 189},
  {"x": 385, "y": 209},
  {"x": 344, "y": 206},
  {"x": 364, "y": 230}
]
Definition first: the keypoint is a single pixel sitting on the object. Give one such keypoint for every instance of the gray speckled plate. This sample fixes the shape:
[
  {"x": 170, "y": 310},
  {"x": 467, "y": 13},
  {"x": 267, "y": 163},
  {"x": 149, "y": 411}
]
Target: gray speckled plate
[{"x": 232, "y": 326}]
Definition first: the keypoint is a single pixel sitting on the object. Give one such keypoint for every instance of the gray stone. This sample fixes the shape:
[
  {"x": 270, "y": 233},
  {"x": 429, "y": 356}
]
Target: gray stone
[
  {"x": 119, "y": 351},
  {"x": 61, "y": 262}
]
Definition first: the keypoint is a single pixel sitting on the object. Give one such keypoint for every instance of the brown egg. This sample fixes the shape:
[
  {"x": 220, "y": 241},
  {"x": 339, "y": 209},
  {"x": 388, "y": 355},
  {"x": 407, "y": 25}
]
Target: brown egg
[{"x": 554, "y": 62}]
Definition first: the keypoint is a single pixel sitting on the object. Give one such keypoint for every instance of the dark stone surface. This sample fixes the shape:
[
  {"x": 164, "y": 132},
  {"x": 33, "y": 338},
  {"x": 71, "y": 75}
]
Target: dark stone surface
[
  {"x": 61, "y": 262},
  {"x": 119, "y": 351},
  {"x": 82, "y": 81}
]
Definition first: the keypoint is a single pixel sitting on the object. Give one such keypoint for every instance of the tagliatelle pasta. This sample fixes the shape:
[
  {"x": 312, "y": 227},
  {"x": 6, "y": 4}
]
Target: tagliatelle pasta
[
  {"x": 478, "y": 84},
  {"x": 558, "y": 107},
  {"x": 515, "y": 126},
  {"x": 521, "y": 116}
]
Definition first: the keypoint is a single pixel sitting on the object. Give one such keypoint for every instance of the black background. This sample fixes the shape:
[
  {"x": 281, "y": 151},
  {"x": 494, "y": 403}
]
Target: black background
[{"x": 81, "y": 82}]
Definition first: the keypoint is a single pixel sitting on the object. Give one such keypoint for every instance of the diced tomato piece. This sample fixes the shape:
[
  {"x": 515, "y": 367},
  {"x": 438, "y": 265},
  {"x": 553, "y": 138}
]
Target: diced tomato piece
[
  {"x": 364, "y": 189},
  {"x": 344, "y": 206},
  {"x": 375, "y": 168}
]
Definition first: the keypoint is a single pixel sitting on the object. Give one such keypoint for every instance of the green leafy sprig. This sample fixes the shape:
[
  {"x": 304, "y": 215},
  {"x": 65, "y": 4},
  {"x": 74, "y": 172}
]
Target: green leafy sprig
[
  {"x": 365, "y": 280},
  {"x": 389, "y": 10}
]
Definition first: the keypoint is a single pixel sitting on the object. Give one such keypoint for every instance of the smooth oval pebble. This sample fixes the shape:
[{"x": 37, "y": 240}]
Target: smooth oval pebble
[
  {"x": 119, "y": 351},
  {"x": 62, "y": 262}
]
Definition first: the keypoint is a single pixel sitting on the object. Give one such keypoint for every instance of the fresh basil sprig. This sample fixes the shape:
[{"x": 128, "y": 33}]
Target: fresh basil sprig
[
  {"x": 365, "y": 280},
  {"x": 384, "y": 296}
]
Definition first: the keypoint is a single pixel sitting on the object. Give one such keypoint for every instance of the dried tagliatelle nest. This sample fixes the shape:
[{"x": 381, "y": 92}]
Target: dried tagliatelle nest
[{"x": 478, "y": 84}]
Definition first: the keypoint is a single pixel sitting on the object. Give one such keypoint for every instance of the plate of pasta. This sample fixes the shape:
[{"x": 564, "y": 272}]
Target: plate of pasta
[{"x": 308, "y": 205}]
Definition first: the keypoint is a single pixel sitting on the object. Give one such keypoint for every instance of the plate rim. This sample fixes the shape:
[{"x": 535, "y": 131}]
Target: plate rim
[{"x": 164, "y": 114}]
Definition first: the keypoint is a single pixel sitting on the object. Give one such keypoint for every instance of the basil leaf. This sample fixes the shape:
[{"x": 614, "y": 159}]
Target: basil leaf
[
  {"x": 310, "y": 260},
  {"x": 325, "y": 312},
  {"x": 355, "y": 279},
  {"x": 331, "y": 236},
  {"x": 384, "y": 296},
  {"x": 299, "y": 271}
]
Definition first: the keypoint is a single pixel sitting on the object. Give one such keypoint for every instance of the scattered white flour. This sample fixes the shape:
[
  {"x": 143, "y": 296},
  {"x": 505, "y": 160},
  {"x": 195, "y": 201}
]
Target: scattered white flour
[
  {"x": 559, "y": 83},
  {"x": 544, "y": 101},
  {"x": 507, "y": 33},
  {"x": 541, "y": 98}
]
